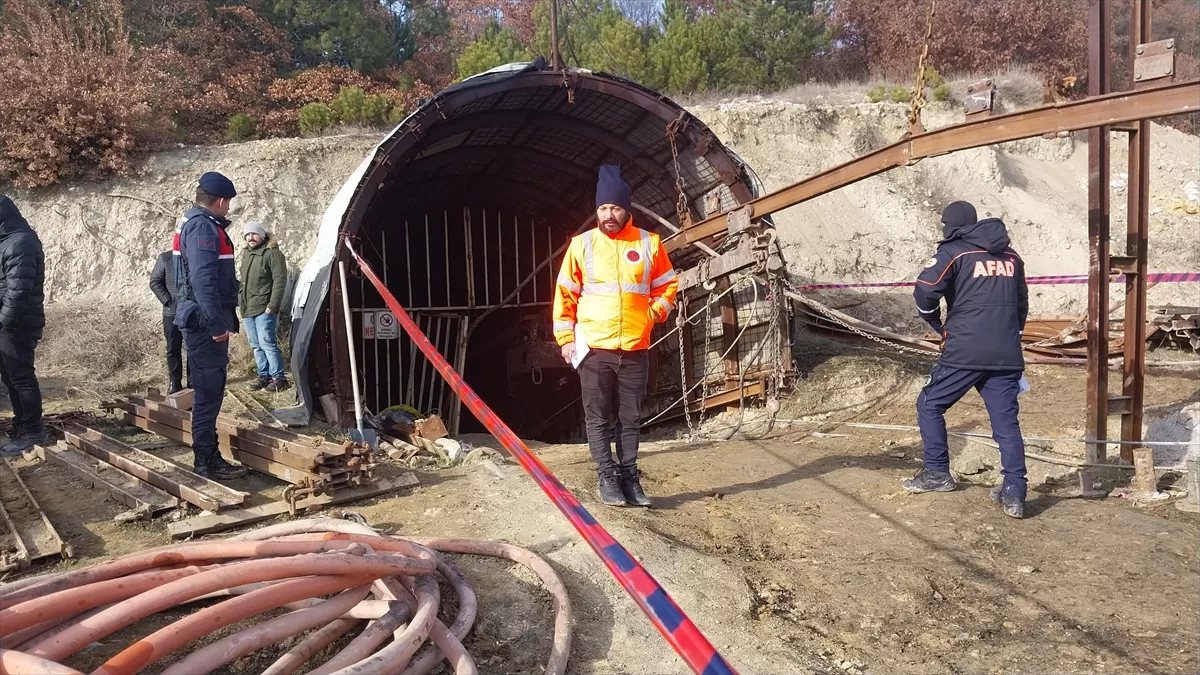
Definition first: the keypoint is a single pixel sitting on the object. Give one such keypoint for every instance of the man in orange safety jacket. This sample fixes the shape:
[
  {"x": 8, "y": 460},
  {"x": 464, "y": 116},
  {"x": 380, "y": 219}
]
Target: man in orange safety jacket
[{"x": 616, "y": 282}]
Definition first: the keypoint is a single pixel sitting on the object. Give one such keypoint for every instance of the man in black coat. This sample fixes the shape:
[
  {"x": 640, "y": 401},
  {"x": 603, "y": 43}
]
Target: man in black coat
[
  {"x": 166, "y": 289},
  {"x": 983, "y": 282},
  {"x": 22, "y": 318}
]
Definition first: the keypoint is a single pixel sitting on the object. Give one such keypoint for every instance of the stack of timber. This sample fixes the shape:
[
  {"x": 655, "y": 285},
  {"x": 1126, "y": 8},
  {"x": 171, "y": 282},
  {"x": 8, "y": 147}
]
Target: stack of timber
[
  {"x": 26, "y": 534},
  {"x": 314, "y": 465}
]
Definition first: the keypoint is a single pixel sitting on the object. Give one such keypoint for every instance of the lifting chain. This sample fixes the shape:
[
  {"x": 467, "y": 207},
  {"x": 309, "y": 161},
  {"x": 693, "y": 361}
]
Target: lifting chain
[
  {"x": 708, "y": 305},
  {"x": 681, "y": 325},
  {"x": 862, "y": 333},
  {"x": 918, "y": 100},
  {"x": 674, "y": 128}
]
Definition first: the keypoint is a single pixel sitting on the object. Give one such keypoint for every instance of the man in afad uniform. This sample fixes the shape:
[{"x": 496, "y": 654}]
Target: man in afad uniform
[
  {"x": 983, "y": 281},
  {"x": 205, "y": 313},
  {"x": 616, "y": 282}
]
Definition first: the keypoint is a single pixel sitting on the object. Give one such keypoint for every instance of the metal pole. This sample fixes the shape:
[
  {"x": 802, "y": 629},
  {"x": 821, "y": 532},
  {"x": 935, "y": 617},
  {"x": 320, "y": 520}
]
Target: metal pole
[
  {"x": 350, "y": 343},
  {"x": 388, "y": 347},
  {"x": 500, "y": 250},
  {"x": 1136, "y": 244},
  {"x": 1096, "y": 429},
  {"x": 534, "y": 255},
  {"x": 487, "y": 282},
  {"x": 446, "y": 246},
  {"x": 521, "y": 283},
  {"x": 555, "y": 54}
]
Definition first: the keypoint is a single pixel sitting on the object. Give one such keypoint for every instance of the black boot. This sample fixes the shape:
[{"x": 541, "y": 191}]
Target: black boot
[
  {"x": 176, "y": 386},
  {"x": 631, "y": 488},
  {"x": 930, "y": 481},
  {"x": 210, "y": 464},
  {"x": 23, "y": 440},
  {"x": 260, "y": 383},
  {"x": 610, "y": 489},
  {"x": 1012, "y": 506}
]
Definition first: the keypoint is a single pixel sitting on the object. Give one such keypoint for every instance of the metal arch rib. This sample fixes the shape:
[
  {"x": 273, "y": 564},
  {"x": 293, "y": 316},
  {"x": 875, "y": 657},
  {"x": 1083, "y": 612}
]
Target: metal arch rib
[{"x": 1073, "y": 116}]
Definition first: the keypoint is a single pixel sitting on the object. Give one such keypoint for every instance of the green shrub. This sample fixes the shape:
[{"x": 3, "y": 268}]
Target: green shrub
[
  {"x": 877, "y": 94},
  {"x": 241, "y": 127},
  {"x": 397, "y": 115},
  {"x": 942, "y": 92},
  {"x": 316, "y": 119},
  {"x": 933, "y": 78},
  {"x": 353, "y": 106},
  {"x": 901, "y": 95}
]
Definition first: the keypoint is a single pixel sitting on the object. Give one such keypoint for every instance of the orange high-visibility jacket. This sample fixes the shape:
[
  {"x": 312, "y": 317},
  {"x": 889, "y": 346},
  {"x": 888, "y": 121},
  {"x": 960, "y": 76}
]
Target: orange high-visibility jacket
[{"x": 615, "y": 287}]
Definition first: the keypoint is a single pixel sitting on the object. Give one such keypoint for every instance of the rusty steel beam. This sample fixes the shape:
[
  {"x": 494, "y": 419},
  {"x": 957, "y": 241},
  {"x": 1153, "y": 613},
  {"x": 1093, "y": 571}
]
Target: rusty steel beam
[
  {"x": 1099, "y": 244},
  {"x": 164, "y": 475},
  {"x": 1133, "y": 376},
  {"x": 1071, "y": 116}
]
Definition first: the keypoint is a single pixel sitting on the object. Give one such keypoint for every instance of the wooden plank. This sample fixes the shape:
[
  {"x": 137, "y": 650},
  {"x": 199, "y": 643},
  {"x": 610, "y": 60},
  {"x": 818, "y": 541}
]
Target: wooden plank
[
  {"x": 181, "y": 400},
  {"x": 202, "y": 525},
  {"x": 164, "y": 475},
  {"x": 311, "y": 449},
  {"x": 126, "y": 488},
  {"x": 181, "y": 431},
  {"x": 280, "y": 471},
  {"x": 27, "y": 518}
]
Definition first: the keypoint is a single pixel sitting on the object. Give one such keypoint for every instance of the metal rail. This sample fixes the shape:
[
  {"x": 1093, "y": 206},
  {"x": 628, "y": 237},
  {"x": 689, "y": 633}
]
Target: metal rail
[{"x": 1097, "y": 111}]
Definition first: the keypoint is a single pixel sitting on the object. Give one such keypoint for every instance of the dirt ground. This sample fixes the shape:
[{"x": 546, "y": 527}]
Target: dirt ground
[{"x": 798, "y": 552}]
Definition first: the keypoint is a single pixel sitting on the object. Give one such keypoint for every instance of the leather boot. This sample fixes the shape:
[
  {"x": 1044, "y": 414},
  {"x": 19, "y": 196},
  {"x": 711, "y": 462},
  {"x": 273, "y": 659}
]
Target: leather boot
[
  {"x": 610, "y": 489},
  {"x": 930, "y": 481},
  {"x": 631, "y": 488}
]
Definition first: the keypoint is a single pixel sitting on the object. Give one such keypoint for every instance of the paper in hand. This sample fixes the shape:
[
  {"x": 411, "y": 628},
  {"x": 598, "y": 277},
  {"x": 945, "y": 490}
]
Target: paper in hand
[
  {"x": 581, "y": 349},
  {"x": 1023, "y": 384}
]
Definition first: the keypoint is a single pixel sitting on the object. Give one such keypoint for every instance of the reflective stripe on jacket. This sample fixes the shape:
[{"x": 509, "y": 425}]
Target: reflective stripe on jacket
[{"x": 615, "y": 287}]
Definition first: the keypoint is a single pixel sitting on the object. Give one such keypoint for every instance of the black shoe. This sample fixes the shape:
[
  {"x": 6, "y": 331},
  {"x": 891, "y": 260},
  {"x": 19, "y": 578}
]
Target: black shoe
[
  {"x": 930, "y": 481},
  {"x": 610, "y": 491},
  {"x": 631, "y": 488},
  {"x": 175, "y": 388},
  {"x": 260, "y": 383},
  {"x": 219, "y": 469},
  {"x": 1013, "y": 507},
  {"x": 277, "y": 384},
  {"x": 22, "y": 442}
]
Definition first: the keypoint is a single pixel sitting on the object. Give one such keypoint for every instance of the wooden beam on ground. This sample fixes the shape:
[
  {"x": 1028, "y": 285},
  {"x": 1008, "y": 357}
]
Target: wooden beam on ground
[
  {"x": 164, "y": 475},
  {"x": 126, "y": 488},
  {"x": 202, "y": 525}
]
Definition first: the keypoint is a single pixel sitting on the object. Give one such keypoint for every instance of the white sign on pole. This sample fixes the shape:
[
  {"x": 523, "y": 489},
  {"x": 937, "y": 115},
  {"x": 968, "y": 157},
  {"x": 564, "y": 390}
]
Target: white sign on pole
[
  {"x": 385, "y": 326},
  {"x": 368, "y": 325}
]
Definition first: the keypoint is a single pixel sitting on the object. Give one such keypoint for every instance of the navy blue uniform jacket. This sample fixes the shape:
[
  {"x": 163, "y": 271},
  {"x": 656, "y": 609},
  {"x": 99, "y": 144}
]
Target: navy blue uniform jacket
[
  {"x": 983, "y": 281},
  {"x": 204, "y": 272}
]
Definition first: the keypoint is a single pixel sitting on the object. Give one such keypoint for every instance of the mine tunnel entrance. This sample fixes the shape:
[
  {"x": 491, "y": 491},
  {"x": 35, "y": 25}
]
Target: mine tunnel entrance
[
  {"x": 465, "y": 209},
  {"x": 479, "y": 282}
]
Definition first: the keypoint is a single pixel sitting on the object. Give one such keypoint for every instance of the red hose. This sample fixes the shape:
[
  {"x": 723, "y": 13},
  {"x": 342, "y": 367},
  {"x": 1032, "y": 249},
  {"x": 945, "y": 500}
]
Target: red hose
[
  {"x": 171, "y": 555},
  {"x": 239, "y": 644},
  {"x": 13, "y": 662},
  {"x": 397, "y": 654},
  {"x": 169, "y": 595},
  {"x": 318, "y": 640}
]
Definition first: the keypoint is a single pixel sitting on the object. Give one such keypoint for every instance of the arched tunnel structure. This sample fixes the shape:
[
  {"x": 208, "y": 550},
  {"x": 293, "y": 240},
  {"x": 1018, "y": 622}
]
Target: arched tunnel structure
[{"x": 464, "y": 209}]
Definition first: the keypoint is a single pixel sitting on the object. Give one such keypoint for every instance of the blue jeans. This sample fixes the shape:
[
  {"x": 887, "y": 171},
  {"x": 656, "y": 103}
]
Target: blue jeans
[
  {"x": 260, "y": 332},
  {"x": 999, "y": 391}
]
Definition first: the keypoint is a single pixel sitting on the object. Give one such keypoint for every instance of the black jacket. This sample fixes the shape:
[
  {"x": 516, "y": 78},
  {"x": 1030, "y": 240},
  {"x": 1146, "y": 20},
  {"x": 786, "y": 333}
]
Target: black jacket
[
  {"x": 162, "y": 282},
  {"x": 208, "y": 286},
  {"x": 22, "y": 274},
  {"x": 987, "y": 301}
]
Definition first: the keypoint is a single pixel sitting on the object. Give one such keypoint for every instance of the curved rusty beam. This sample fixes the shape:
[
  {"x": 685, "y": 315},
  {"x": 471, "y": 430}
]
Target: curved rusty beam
[{"x": 1172, "y": 99}]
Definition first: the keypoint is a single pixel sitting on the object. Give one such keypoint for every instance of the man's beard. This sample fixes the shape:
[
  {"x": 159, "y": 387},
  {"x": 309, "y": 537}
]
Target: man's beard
[{"x": 611, "y": 226}]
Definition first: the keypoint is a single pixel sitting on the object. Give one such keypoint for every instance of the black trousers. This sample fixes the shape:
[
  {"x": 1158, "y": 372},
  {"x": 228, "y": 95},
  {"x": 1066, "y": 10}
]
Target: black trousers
[
  {"x": 17, "y": 372},
  {"x": 614, "y": 387},
  {"x": 174, "y": 338}
]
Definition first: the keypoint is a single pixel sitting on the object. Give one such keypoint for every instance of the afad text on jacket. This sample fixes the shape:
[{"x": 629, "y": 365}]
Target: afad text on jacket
[{"x": 987, "y": 302}]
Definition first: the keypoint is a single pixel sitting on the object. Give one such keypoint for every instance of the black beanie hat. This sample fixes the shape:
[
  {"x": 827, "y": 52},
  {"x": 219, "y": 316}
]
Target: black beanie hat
[
  {"x": 959, "y": 214},
  {"x": 610, "y": 189}
]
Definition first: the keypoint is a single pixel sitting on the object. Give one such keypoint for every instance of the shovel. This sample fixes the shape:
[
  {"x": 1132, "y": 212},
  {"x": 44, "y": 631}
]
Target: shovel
[{"x": 357, "y": 434}]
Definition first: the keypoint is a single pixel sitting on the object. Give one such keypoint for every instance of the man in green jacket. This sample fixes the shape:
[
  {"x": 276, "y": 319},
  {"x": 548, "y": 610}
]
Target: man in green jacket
[{"x": 264, "y": 278}]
